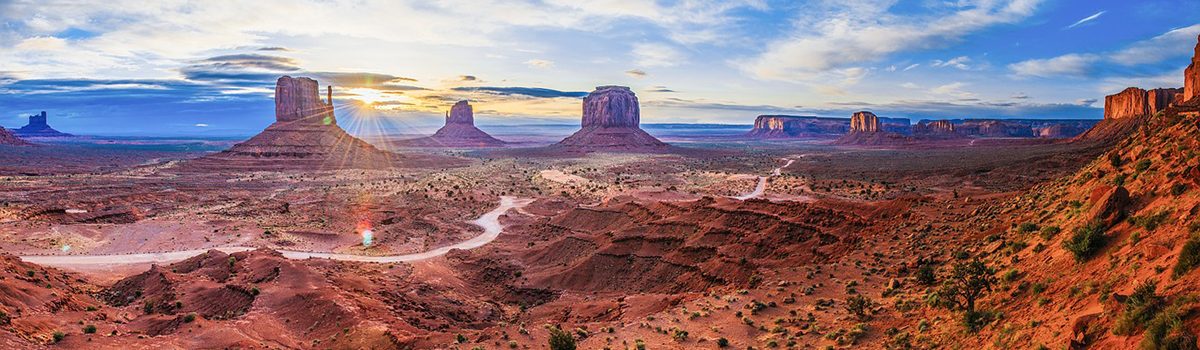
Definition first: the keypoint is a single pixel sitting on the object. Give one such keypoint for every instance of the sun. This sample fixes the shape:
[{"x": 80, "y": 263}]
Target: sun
[{"x": 367, "y": 96}]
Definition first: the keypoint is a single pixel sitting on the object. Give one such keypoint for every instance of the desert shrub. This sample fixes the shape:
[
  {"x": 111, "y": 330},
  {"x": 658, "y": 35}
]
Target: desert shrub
[
  {"x": 1142, "y": 165},
  {"x": 1027, "y": 227},
  {"x": 722, "y": 342},
  {"x": 89, "y": 329},
  {"x": 1178, "y": 189},
  {"x": 1086, "y": 241},
  {"x": 4, "y": 320},
  {"x": 926, "y": 274},
  {"x": 1115, "y": 160},
  {"x": 1140, "y": 308},
  {"x": 58, "y": 336},
  {"x": 561, "y": 340},
  {"x": 1167, "y": 331},
  {"x": 1189, "y": 257},
  {"x": 1150, "y": 222},
  {"x": 459, "y": 338},
  {"x": 1049, "y": 232},
  {"x": 189, "y": 318},
  {"x": 860, "y": 306}
]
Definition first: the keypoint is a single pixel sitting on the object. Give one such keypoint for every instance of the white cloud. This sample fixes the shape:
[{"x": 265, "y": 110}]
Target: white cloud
[
  {"x": 960, "y": 62},
  {"x": 1086, "y": 20},
  {"x": 1071, "y": 65},
  {"x": 656, "y": 55},
  {"x": 1174, "y": 43},
  {"x": 910, "y": 67},
  {"x": 42, "y": 43},
  {"x": 859, "y": 32},
  {"x": 955, "y": 89},
  {"x": 201, "y": 125},
  {"x": 910, "y": 86},
  {"x": 540, "y": 63}
]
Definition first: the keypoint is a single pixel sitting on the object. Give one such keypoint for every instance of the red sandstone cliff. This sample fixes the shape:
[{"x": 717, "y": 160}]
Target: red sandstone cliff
[
  {"x": 787, "y": 126},
  {"x": 1191, "y": 76},
  {"x": 864, "y": 122}
]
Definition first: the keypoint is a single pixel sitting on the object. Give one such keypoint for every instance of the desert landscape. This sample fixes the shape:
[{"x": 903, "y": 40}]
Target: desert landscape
[{"x": 325, "y": 228}]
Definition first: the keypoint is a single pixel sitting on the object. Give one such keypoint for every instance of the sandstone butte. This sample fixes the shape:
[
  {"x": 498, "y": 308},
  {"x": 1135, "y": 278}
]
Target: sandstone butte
[
  {"x": 459, "y": 131},
  {"x": 785, "y": 126},
  {"x": 864, "y": 122},
  {"x": 38, "y": 127},
  {"x": 305, "y": 134},
  {"x": 611, "y": 121}
]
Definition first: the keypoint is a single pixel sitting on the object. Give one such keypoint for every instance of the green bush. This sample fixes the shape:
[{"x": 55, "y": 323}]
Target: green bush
[
  {"x": 189, "y": 318},
  {"x": 1140, "y": 308},
  {"x": 1178, "y": 189},
  {"x": 1086, "y": 241},
  {"x": 1049, "y": 232},
  {"x": 1150, "y": 222},
  {"x": 1168, "y": 332},
  {"x": 1115, "y": 160},
  {"x": 1142, "y": 165},
  {"x": 58, "y": 336},
  {"x": 89, "y": 329},
  {"x": 860, "y": 307},
  {"x": 561, "y": 340},
  {"x": 1027, "y": 227},
  {"x": 1189, "y": 257},
  {"x": 722, "y": 342}
]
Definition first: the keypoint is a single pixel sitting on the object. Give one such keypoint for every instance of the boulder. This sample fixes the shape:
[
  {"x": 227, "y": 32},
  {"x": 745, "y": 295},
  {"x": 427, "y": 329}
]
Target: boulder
[{"x": 1108, "y": 205}]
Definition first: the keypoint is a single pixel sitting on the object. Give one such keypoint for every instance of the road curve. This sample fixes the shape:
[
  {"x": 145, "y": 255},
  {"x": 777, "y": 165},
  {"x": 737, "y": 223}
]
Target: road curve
[
  {"x": 762, "y": 183},
  {"x": 490, "y": 222}
]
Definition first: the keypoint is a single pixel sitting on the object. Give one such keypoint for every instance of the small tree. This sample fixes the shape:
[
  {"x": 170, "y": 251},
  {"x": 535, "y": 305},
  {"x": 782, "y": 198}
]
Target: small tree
[
  {"x": 860, "y": 307},
  {"x": 561, "y": 340},
  {"x": 968, "y": 281}
]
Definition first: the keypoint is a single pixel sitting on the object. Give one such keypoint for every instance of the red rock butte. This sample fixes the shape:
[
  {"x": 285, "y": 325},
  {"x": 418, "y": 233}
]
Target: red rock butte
[
  {"x": 611, "y": 119},
  {"x": 865, "y": 122},
  {"x": 38, "y": 127},
  {"x": 788, "y": 126},
  {"x": 305, "y": 134},
  {"x": 459, "y": 131}
]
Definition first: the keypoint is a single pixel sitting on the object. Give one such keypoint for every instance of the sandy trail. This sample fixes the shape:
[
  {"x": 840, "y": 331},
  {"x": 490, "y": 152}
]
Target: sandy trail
[
  {"x": 762, "y": 182},
  {"x": 490, "y": 222}
]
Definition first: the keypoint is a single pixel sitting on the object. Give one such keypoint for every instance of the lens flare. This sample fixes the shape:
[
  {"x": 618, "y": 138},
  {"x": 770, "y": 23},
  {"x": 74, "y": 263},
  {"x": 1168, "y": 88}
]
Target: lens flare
[
  {"x": 368, "y": 236},
  {"x": 66, "y": 248}
]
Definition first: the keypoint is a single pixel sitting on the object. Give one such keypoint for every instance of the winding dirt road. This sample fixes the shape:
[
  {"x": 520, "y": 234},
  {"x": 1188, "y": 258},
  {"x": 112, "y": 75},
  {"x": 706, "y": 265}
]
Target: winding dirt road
[
  {"x": 490, "y": 222},
  {"x": 762, "y": 182}
]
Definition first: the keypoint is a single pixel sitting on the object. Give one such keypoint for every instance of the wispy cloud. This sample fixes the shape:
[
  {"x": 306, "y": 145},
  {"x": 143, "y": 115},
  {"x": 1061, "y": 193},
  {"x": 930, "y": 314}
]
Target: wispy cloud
[
  {"x": 1071, "y": 65},
  {"x": 540, "y": 63},
  {"x": 1085, "y": 20},
  {"x": 656, "y": 55}
]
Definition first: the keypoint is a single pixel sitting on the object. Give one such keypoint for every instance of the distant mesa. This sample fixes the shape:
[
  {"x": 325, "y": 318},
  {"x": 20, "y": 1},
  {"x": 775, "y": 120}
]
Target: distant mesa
[
  {"x": 865, "y": 122},
  {"x": 936, "y": 129},
  {"x": 305, "y": 134},
  {"x": 790, "y": 126},
  {"x": 8, "y": 138},
  {"x": 868, "y": 129},
  {"x": 459, "y": 131},
  {"x": 38, "y": 127},
  {"x": 611, "y": 119}
]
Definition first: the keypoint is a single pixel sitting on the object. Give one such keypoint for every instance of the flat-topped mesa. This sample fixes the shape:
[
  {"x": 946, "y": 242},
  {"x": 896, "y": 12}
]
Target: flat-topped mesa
[
  {"x": 785, "y": 126},
  {"x": 1191, "y": 76},
  {"x": 610, "y": 122},
  {"x": 1130, "y": 102},
  {"x": 299, "y": 100},
  {"x": 934, "y": 127},
  {"x": 611, "y": 106},
  {"x": 38, "y": 127},
  {"x": 865, "y": 122},
  {"x": 461, "y": 113}
]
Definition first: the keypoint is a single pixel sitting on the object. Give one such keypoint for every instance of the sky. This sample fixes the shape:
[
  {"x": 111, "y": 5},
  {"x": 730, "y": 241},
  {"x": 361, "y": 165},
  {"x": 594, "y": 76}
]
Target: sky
[{"x": 122, "y": 67}]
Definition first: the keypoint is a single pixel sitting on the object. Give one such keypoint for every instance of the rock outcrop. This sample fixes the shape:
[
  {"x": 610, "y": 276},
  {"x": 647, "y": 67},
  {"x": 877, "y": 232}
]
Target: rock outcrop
[
  {"x": 305, "y": 134},
  {"x": 1159, "y": 99},
  {"x": 1130, "y": 102},
  {"x": 38, "y": 127},
  {"x": 8, "y": 138},
  {"x": 1191, "y": 76},
  {"x": 611, "y": 119},
  {"x": 994, "y": 128},
  {"x": 934, "y": 128},
  {"x": 865, "y": 122},
  {"x": 459, "y": 131},
  {"x": 789, "y": 126}
]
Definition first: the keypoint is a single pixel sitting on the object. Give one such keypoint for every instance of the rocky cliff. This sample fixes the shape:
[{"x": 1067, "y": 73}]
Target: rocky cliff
[
  {"x": 934, "y": 128},
  {"x": 1159, "y": 99},
  {"x": 1130, "y": 102},
  {"x": 38, "y": 127},
  {"x": 8, "y": 138},
  {"x": 459, "y": 131},
  {"x": 788, "y": 126},
  {"x": 610, "y": 121},
  {"x": 1191, "y": 76},
  {"x": 864, "y": 122},
  {"x": 994, "y": 128}
]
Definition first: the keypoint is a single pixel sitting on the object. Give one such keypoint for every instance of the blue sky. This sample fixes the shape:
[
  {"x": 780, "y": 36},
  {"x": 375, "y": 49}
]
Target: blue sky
[{"x": 207, "y": 68}]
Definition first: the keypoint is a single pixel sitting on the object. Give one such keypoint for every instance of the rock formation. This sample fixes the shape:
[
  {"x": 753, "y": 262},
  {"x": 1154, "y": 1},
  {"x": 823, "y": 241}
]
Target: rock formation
[
  {"x": 864, "y": 122},
  {"x": 611, "y": 119},
  {"x": 38, "y": 127},
  {"x": 994, "y": 128},
  {"x": 8, "y": 138},
  {"x": 787, "y": 126},
  {"x": 934, "y": 128},
  {"x": 459, "y": 131},
  {"x": 1191, "y": 76},
  {"x": 1130, "y": 102},
  {"x": 305, "y": 134},
  {"x": 1159, "y": 99}
]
